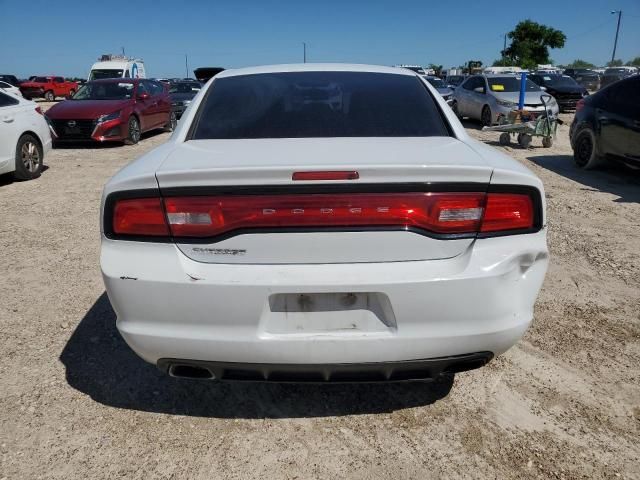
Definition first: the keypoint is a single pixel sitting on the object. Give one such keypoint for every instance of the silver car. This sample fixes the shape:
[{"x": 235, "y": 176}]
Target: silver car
[{"x": 486, "y": 97}]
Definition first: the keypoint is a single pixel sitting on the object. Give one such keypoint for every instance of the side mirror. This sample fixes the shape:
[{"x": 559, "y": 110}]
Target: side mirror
[
  {"x": 479, "y": 89},
  {"x": 143, "y": 96}
]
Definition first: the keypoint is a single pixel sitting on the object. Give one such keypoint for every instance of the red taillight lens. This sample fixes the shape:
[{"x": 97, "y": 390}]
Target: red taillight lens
[
  {"x": 39, "y": 110},
  {"x": 580, "y": 105},
  {"x": 435, "y": 212},
  {"x": 507, "y": 211},
  {"x": 211, "y": 216},
  {"x": 140, "y": 216}
]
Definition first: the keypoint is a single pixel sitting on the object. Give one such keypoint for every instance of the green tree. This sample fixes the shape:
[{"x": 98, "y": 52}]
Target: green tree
[
  {"x": 635, "y": 62},
  {"x": 615, "y": 63},
  {"x": 436, "y": 68},
  {"x": 578, "y": 63},
  {"x": 504, "y": 62},
  {"x": 530, "y": 43}
]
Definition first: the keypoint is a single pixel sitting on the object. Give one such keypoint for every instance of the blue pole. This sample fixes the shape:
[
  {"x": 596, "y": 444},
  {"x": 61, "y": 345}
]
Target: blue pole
[{"x": 523, "y": 89}]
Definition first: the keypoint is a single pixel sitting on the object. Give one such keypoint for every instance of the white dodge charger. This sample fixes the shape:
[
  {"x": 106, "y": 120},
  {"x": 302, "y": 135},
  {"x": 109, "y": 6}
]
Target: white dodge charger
[{"x": 322, "y": 222}]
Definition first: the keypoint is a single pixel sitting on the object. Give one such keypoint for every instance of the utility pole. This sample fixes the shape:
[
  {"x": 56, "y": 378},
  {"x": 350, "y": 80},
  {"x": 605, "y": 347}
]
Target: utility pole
[
  {"x": 304, "y": 52},
  {"x": 186, "y": 65},
  {"x": 615, "y": 43},
  {"x": 123, "y": 52}
]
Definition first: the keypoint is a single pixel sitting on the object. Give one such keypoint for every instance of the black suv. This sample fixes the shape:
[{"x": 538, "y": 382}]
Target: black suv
[
  {"x": 564, "y": 89},
  {"x": 607, "y": 125}
]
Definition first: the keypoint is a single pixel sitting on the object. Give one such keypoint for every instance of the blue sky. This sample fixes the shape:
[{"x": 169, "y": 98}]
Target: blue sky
[{"x": 45, "y": 37}]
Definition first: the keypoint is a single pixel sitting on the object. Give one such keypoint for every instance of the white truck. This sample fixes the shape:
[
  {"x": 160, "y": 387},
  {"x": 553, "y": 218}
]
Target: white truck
[{"x": 117, "y": 66}]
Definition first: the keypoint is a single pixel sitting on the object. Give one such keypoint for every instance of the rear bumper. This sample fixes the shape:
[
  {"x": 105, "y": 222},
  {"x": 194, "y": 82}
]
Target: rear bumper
[
  {"x": 428, "y": 369},
  {"x": 171, "y": 307}
]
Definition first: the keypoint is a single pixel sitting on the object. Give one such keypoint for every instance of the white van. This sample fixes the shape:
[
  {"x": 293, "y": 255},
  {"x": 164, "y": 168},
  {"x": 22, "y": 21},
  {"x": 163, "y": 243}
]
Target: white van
[{"x": 117, "y": 66}]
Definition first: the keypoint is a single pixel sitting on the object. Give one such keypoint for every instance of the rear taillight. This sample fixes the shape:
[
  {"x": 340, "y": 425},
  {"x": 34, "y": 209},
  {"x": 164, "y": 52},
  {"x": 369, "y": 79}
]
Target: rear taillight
[
  {"x": 507, "y": 211},
  {"x": 139, "y": 216},
  {"x": 579, "y": 105},
  {"x": 466, "y": 213},
  {"x": 434, "y": 212},
  {"x": 39, "y": 110}
]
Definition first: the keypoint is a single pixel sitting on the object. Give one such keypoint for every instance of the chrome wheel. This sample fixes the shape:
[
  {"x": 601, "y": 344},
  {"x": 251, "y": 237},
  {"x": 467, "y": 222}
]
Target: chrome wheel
[
  {"x": 30, "y": 156},
  {"x": 173, "y": 121}
]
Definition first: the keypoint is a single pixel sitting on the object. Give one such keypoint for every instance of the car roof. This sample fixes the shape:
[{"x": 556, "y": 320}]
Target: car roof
[
  {"x": 314, "y": 67},
  {"x": 117, "y": 80},
  {"x": 499, "y": 75}
]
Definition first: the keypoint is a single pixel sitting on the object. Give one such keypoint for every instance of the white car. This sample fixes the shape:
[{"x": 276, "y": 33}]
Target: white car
[
  {"x": 7, "y": 87},
  {"x": 322, "y": 222},
  {"x": 24, "y": 137}
]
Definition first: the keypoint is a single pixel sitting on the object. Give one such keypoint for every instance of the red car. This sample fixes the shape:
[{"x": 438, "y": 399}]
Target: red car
[
  {"x": 112, "y": 110},
  {"x": 48, "y": 88}
]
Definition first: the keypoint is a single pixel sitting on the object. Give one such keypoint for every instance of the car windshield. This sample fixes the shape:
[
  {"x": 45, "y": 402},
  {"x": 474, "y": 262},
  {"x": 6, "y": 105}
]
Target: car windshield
[
  {"x": 105, "y": 73},
  {"x": 184, "y": 87},
  {"x": 455, "y": 79},
  {"x": 510, "y": 84},
  {"x": 318, "y": 104},
  {"x": 558, "y": 80},
  {"x": 40, "y": 79},
  {"x": 436, "y": 82},
  {"x": 616, "y": 71},
  {"x": 105, "y": 91}
]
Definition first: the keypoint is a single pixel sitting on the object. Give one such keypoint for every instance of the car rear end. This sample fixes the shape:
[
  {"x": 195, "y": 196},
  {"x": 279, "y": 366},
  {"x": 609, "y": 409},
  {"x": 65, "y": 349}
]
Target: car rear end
[{"x": 394, "y": 249}]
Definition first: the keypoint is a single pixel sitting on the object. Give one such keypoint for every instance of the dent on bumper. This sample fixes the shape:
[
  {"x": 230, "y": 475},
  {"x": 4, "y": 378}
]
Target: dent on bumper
[{"x": 169, "y": 306}]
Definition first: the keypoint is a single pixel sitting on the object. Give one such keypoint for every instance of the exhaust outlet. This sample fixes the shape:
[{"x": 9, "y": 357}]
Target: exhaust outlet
[{"x": 190, "y": 371}]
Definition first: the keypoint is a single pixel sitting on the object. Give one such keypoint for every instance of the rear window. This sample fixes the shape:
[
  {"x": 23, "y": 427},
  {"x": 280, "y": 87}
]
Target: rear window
[{"x": 318, "y": 104}]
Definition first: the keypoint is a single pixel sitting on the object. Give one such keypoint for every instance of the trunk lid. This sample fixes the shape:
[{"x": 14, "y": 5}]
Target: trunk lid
[{"x": 215, "y": 167}]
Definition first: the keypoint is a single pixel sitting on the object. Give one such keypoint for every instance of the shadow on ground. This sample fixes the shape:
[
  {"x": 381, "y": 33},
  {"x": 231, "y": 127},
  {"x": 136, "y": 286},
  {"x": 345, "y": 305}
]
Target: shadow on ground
[
  {"x": 8, "y": 178},
  {"x": 612, "y": 178},
  {"x": 100, "y": 364}
]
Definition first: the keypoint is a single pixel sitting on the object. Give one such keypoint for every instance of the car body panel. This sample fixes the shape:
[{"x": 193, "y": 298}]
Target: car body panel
[
  {"x": 288, "y": 306},
  {"x": 567, "y": 95},
  {"x": 613, "y": 115},
  {"x": 481, "y": 300},
  {"x": 58, "y": 85},
  {"x": 470, "y": 103},
  {"x": 77, "y": 120},
  {"x": 15, "y": 120}
]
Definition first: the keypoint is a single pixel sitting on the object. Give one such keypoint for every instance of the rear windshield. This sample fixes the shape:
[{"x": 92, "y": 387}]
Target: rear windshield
[
  {"x": 105, "y": 73},
  {"x": 318, "y": 104}
]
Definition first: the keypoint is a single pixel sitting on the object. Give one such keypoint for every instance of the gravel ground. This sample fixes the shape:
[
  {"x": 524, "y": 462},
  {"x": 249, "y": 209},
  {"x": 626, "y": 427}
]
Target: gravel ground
[{"x": 76, "y": 403}]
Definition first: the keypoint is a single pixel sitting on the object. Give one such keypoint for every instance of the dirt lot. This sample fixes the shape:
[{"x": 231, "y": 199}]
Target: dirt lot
[{"x": 76, "y": 403}]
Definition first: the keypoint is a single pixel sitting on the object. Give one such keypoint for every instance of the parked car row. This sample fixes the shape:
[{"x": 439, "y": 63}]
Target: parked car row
[{"x": 487, "y": 97}]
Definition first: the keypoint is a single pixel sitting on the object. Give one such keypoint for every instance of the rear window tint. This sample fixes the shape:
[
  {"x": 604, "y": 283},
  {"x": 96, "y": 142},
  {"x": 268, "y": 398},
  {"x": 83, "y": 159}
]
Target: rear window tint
[{"x": 318, "y": 104}]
